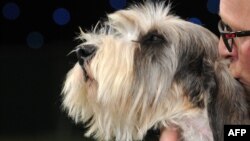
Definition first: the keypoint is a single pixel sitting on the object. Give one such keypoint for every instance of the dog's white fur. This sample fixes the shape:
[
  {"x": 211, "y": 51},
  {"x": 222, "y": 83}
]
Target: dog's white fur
[{"x": 131, "y": 89}]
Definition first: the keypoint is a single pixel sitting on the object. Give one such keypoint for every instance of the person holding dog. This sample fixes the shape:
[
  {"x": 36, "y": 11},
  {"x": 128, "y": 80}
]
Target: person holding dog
[{"x": 234, "y": 45}]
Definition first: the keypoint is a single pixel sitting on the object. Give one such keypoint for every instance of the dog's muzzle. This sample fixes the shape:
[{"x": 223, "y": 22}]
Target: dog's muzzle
[{"x": 85, "y": 53}]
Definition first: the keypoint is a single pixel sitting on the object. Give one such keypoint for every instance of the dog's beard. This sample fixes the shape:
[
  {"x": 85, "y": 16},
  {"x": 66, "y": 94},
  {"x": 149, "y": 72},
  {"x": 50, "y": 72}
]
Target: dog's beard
[{"x": 151, "y": 70}]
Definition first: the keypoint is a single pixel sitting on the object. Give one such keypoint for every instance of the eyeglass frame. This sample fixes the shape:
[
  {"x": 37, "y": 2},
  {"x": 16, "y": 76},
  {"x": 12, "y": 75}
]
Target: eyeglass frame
[{"x": 230, "y": 35}]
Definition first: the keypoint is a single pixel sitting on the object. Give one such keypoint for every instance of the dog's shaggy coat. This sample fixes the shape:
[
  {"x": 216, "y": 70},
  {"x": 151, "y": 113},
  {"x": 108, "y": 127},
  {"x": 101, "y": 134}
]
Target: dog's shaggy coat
[{"x": 146, "y": 68}]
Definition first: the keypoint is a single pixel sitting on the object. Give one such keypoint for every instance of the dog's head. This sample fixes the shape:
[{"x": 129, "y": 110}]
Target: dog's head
[{"x": 141, "y": 68}]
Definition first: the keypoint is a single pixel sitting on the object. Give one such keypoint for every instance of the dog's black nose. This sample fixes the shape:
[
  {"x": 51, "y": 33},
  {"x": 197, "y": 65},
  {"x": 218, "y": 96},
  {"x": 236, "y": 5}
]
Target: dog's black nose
[{"x": 85, "y": 52}]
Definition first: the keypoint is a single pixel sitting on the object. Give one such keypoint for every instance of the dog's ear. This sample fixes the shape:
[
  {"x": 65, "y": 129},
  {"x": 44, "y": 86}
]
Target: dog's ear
[
  {"x": 228, "y": 104},
  {"x": 200, "y": 69}
]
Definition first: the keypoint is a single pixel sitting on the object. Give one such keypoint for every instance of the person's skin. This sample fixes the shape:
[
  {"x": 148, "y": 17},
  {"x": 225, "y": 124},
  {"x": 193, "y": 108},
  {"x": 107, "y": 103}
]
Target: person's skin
[
  {"x": 236, "y": 14},
  {"x": 171, "y": 134}
]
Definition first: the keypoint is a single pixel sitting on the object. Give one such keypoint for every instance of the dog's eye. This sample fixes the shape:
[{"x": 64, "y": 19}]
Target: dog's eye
[{"x": 152, "y": 38}]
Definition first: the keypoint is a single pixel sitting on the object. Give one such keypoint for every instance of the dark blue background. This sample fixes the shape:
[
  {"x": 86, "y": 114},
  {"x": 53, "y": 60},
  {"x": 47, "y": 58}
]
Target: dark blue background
[{"x": 31, "y": 77}]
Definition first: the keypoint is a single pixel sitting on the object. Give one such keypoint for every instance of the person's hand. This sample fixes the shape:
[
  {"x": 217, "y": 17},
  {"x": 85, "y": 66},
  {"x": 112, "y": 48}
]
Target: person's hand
[{"x": 171, "y": 134}]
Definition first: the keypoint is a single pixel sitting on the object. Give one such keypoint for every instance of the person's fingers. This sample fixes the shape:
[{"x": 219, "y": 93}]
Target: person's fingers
[{"x": 170, "y": 135}]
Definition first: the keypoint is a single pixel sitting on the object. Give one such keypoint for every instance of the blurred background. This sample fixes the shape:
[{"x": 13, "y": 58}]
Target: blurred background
[{"x": 35, "y": 39}]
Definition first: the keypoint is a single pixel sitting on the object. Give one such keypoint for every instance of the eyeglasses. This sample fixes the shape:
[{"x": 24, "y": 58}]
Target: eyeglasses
[{"x": 228, "y": 34}]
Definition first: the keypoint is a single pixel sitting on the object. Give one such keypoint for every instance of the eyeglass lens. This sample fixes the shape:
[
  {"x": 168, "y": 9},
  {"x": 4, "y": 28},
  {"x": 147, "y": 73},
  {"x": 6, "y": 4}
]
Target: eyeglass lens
[{"x": 224, "y": 28}]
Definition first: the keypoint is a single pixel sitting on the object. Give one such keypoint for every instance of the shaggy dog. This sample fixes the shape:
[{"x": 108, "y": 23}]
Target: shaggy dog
[{"x": 145, "y": 68}]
